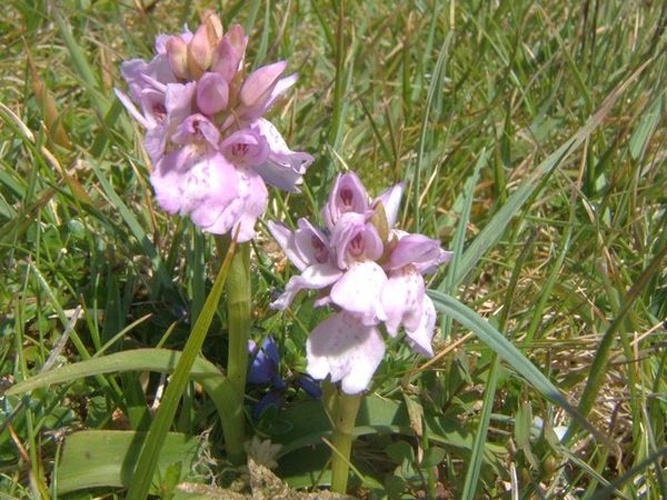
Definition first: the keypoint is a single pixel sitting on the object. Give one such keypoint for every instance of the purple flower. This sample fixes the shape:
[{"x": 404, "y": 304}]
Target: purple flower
[
  {"x": 265, "y": 370},
  {"x": 212, "y": 151},
  {"x": 265, "y": 367},
  {"x": 370, "y": 272}
]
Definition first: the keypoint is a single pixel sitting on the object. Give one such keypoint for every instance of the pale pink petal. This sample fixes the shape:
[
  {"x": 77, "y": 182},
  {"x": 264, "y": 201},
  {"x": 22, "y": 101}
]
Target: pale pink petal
[
  {"x": 283, "y": 168},
  {"x": 186, "y": 178},
  {"x": 243, "y": 210},
  {"x": 284, "y": 236},
  {"x": 245, "y": 147},
  {"x": 311, "y": 243},
  {"x": 257, "y": 87},
  {"x": 177, "y": 52},
  {"x": 282, "y": 86},
  {"x": 358, "y": 291},
  {"x": 347, "y": 350},
  {"x": 304, "y": 247},
  {"x": 402, "y": 299},
  {"x": 423, "y": 252},
  {"x": 420, "y": 338},
  {"x": 178, "y": 101},
  {"x": 196, "y": 128},
  {"x": 355, "y": 240},
  {"x": 314, "y": 277},
  {"x": 228, "y": 55},
  {"x": 132, "y": 109}
]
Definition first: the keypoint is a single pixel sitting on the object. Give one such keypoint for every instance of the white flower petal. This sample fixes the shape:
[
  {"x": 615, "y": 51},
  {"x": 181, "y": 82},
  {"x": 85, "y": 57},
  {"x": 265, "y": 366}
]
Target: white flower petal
[
  {"x": 358, "y": 291},
  {"x": 420, "y": 337},
  {"x": 346, "y": 349}
]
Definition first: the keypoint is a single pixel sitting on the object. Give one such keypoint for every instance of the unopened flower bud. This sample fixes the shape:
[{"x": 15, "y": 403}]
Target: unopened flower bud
[
  {"x": 200, "y": 52},
  {"x": 177, "y": 52},
  {"x": 212, "y": 93},
  {"x": 257, "y": 87},
  {"x": 213, "y": 27}
]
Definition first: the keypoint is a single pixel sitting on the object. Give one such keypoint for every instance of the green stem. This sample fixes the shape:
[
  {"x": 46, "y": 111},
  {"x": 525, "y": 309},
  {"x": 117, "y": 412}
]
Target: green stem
[
  {"x": 240, "y": 322},
  {"x": 346, "y": 411}
]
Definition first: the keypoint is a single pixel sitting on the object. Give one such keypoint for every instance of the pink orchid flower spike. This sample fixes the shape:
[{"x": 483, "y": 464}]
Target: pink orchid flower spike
[
  {"x": 213, "y": 153},
  {"x": 370, "y": 273}
]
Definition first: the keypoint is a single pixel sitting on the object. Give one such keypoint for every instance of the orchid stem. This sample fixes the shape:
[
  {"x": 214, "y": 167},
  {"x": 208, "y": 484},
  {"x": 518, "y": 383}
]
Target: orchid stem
[
  {"x": 345, "y": 417},
  {"x": 240, "y": 322}
]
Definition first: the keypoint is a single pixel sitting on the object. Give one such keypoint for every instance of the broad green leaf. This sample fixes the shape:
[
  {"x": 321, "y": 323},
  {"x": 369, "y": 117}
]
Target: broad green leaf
[
  {"x": 93, "y": 459},
  {"x": 157, "y": 360}
]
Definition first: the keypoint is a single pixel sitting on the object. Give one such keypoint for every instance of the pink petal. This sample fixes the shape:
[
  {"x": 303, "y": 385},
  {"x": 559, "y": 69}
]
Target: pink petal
[
  {"x": 243, "y": 211},
  {"x": 245, "y": 147},
  {"x": 420, "y": 337},
  {"x": 425, "y": 253},
  {"x": 228, "y": 55},
  {"x": 358, "y": 292},
  {"x": 257, "y": 87},
  {"x": 132, "y": 109},
  {"x": 311, "y": 243},
  {"x": 391, "y": 199},
  {"x": 402, "y": 299},
  {"x": 346, "y": 349},
  {"x": 283, "y": 168},
  {"x": 314, "y": 277},
  {"x": 347, "y": 195},
  {"x": 196, "y": 128},
  {"x": 355, "y": 240},
  {"x": 304, "y": 247},
  {"x": 203, "y": 185}
]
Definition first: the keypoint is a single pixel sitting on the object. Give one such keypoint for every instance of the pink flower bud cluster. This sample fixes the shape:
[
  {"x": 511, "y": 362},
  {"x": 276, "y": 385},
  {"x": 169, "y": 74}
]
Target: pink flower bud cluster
[
  {"x": 212, "y": 151},
  {"x": 370, "y": 272}
]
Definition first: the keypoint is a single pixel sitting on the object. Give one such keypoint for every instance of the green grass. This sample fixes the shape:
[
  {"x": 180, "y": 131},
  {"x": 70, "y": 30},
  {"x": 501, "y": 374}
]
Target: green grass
[{"x": 467, "y": 102}]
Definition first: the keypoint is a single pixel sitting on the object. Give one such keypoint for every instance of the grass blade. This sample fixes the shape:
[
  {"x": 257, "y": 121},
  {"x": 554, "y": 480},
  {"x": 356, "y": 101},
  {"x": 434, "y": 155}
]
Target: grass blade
[
  {"x": 498, "y": 343},
  {"x": 497, "y": 225},
  {"x": 165, "y": 415}
]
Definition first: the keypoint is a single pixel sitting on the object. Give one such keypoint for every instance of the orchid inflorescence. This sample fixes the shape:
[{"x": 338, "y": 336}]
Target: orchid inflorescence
[
  {"x": 370, "y": 272},
  {"x": 212, "y": 151}
]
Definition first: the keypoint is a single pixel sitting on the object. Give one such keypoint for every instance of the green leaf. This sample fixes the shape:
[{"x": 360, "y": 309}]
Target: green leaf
[
  {"x": 157, "y": 360},
  {"x": 93, "y": 459},
  {"x": 475, "y": 464},
  {"x": 432, "y": 457},
  {"x": 400, "y": 452}
]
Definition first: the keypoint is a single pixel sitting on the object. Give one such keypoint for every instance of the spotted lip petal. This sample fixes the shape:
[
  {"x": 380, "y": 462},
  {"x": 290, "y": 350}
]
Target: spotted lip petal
[
  {"x": 420, "y": 337},
  {"x": 358, "y": 292},
  {"x": 345, "y": 349},
  {"x": 402, "y": 298}
]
